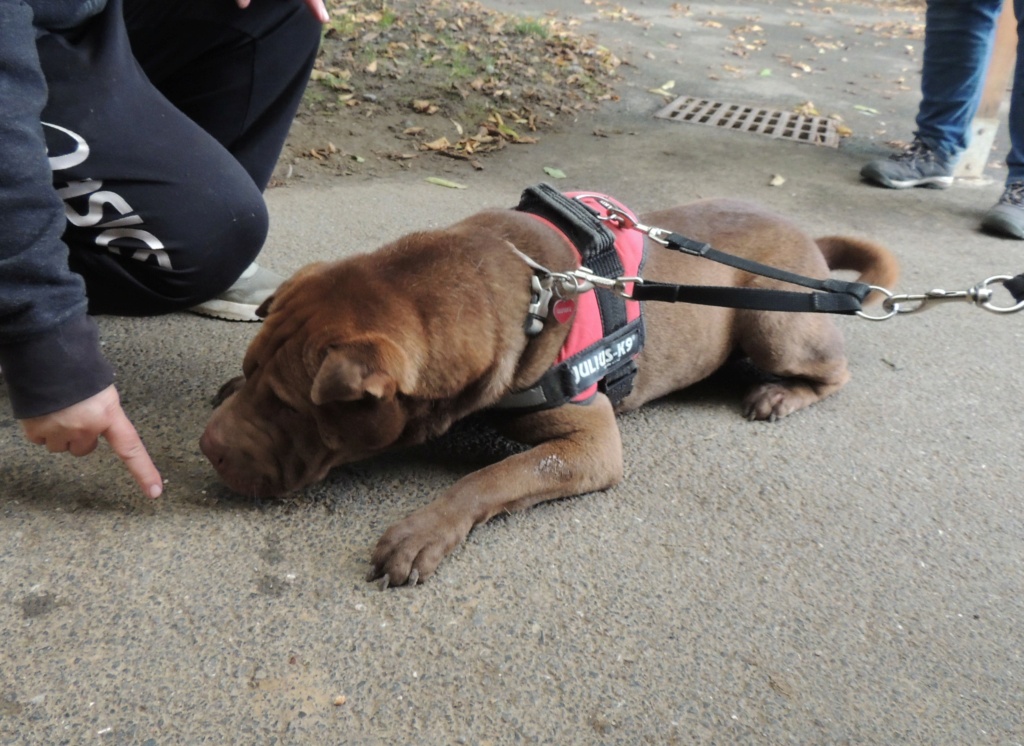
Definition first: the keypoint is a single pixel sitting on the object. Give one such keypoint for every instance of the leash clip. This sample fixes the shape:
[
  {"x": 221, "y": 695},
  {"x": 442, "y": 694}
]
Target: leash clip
[
  {"x": 587, "y": 279},
  {"x": 986, "y": 303},
  {"x": 622, "y": 219},
  {"x": 916, "y": 302},
  {"x": 979, "y": 295}
]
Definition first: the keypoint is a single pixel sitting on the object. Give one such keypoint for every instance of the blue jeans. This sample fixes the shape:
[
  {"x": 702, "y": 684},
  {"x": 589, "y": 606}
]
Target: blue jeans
[{"x": 958, "y": 43}]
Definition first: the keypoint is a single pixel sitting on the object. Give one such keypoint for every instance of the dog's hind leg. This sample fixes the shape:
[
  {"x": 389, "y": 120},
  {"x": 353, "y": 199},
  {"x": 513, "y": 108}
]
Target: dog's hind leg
[{"x": 806, "y": 354}]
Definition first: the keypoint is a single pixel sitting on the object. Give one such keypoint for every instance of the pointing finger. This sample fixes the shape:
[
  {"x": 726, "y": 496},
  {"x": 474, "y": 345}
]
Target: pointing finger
[{"x": 128, "y": 446}]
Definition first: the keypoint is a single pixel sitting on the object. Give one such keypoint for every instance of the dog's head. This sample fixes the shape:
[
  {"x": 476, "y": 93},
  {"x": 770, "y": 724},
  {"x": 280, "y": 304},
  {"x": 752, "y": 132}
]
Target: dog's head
[
  {"x": 372, "y": 352},
  {"x": 326, "y": 381}
]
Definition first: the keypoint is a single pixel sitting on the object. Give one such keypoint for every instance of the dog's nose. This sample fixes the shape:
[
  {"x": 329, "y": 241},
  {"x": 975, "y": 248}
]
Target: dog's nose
[{"x": 212, "y": 447}]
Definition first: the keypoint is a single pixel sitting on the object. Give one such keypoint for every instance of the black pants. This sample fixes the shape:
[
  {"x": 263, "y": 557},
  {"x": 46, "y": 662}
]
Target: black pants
[{"x": 164, "y": 121}]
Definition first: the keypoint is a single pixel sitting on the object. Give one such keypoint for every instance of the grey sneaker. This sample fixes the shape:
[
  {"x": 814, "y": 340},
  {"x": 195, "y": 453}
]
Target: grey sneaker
[
  {"x": 917, "y": 165},
  {"x": 1006, "y": 218},
  {"x": 240, "y": 301}
]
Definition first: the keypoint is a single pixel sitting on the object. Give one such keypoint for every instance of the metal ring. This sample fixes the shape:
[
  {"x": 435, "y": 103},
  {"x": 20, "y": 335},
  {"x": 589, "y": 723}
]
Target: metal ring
[
  {"x": 989, "y": 306},
  {"x": 892, "y": 312}
]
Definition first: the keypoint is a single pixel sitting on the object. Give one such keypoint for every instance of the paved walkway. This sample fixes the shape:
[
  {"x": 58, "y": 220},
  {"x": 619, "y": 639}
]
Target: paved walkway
[{"x": 851, "y": 575}]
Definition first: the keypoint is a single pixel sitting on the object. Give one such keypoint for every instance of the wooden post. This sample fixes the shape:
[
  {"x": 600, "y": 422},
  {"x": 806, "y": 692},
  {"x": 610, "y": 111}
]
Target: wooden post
[{"x": 997, "y": 82}]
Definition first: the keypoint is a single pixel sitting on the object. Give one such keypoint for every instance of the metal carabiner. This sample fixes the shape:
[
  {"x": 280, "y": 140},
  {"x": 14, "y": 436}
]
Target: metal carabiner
[
  {"x": 891, "y": 309},
  {"x": 925, "y": 300},
  {"x": 625, "y": 221},
  {"x": 985, "y": 295},
  {"x": 618, "y": 216},
  {"x": 615, "y": 284}
]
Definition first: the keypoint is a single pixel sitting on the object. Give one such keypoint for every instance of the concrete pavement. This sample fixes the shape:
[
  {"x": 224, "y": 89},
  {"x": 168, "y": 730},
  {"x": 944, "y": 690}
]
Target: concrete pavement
[{"x": 851, "y": 575}]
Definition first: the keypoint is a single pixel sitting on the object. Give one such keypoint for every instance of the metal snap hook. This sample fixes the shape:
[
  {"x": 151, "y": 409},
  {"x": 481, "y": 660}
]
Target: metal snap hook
[
  {"x": 986, "y": 302},
  {"x": 891, "y": 308}
]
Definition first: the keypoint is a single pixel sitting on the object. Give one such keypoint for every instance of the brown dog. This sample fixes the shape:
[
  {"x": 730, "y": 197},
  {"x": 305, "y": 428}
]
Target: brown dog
[{"x": 388, "y": 349}]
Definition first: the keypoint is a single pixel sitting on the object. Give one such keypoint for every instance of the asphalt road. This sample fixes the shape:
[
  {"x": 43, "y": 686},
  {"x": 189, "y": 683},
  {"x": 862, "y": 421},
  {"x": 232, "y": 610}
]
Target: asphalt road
[{"x": 851, "y": 575}]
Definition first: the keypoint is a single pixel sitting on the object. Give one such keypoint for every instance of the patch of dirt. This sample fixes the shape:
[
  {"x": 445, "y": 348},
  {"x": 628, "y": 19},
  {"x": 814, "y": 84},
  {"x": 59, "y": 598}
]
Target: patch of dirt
[
  {"x": 401, "y": 84},
  {"x": 436, "y": 86}
]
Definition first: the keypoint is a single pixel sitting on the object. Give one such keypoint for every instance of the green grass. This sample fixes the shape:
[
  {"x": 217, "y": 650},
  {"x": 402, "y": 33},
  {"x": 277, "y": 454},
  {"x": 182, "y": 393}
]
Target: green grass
[{"x": 531, "y": 27}]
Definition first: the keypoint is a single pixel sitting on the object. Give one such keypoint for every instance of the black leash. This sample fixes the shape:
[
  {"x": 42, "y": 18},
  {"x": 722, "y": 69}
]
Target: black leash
[{"x": 830, "y": 296}]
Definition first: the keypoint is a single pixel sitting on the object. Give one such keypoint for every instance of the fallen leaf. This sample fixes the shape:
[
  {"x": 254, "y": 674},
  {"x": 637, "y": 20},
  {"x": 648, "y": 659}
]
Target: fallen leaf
[
  {"x": 554, "y": 173},
  {"x": 439, "y": 144},
  {"x": 445, "y": 183},
  {"x": 865, "y": 109},
  {"x": 806, "y": 109},
  {"x": 661, "y": 92},
  {"x": 424, "y": 107},
  {"x": 371, "y": 68}
]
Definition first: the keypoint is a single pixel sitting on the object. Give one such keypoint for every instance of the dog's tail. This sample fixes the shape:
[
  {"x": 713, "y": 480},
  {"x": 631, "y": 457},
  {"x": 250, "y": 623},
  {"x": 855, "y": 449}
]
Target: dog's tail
[{"x": 875, "y": 264}]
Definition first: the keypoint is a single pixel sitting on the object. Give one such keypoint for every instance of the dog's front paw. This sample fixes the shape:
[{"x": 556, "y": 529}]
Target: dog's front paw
[{"x": 410, "y": 551}]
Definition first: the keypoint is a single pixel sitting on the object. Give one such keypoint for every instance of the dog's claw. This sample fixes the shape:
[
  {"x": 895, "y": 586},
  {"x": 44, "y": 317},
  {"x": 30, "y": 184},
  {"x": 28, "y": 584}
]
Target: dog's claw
[
  {"x": 414, "y": 577},
  {"x": 385, "y": 581}
]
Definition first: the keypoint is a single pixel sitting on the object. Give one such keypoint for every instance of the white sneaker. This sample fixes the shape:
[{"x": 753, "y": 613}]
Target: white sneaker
[{"x": 240, "y": 301}]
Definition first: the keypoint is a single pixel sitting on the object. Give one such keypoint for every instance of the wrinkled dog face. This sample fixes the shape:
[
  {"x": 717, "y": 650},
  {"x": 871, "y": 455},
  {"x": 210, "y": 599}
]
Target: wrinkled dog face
[
  {"x": 271, "y": 436},
  {"x": 308, "y": 402}
]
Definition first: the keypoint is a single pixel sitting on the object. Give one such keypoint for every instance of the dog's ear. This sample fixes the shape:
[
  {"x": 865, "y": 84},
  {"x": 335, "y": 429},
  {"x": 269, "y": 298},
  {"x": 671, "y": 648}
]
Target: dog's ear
[
  {"x": 375, "y": 368},
  {"x": 307, "y": 271},
  {"x": 264, "y": 307}
]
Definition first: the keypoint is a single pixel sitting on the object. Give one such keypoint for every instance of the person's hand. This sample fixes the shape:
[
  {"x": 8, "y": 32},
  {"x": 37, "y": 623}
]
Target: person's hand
[
  {"x": 316, "y": 7},
  {"x": 78, "y": 428}
]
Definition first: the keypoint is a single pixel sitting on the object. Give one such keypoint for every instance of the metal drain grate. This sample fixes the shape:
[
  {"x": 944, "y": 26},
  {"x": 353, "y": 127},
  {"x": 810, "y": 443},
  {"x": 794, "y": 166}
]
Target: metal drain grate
[{"x": 782, "y": 124}]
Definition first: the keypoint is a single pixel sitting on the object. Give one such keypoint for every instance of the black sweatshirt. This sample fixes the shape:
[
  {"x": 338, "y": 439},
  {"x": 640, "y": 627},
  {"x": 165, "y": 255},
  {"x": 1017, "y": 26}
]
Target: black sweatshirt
[{"x": 49, "y": 348}]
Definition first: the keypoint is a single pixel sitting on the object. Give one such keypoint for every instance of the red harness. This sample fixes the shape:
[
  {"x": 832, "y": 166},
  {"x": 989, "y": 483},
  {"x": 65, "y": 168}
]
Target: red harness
[
  {"x": 607, "y": 330},
  {"x": 587, "y": 327}
]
